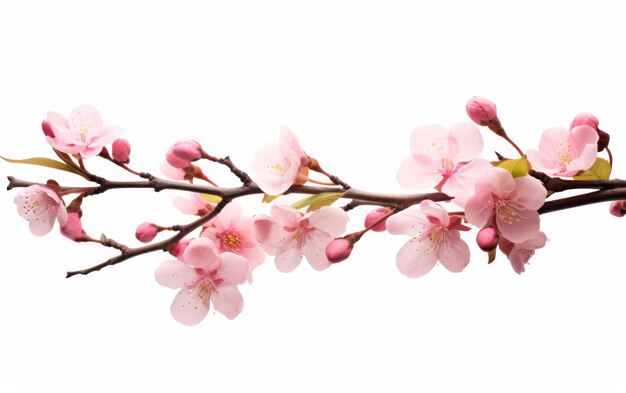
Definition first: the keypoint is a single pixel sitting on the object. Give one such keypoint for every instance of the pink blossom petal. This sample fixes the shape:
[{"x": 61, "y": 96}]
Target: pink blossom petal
[
  {"x": 585, "y": 161},
  {"x": 175, "y": 274},
  {"x": 478, "y": 210},
  {"x": 461, "y": 185},
  {"x": 314, "y": 250},
  {"x": 415, "y": 258},
  {"x": 455, "y": 253},
  {"x": 288, "y": 138},
  {"x": 233, "y": 268},
  {"x": 286, "y": 215},
  {"x": 529, "y": 192},
  {"x": 419, "y": 171},
  {"x": 202, "y": 253},
  {"x": 188, "y": 308},
  {"x": 84, "y": 117},
  {"x": 107, "y": 135},
  {"x": 330, "y": 219},
  {"x": 407, "y": 222},
  {"x": 501, "y": 181},
  {"x": 525, "y": 227},
  {"x": 430, "y": 139},
  {"x": 553, "y": 140},
  {"x": 171, "y": 172},
  {"x": 582, "y": 136},
  {"x": 187, "y": 205},
  {"x": 433, "y": 210},
  {"x": 227, "y": 300},
  {"x": 469, "y": 141},
  {"x": 267, "y": 232},
  {"x": 228, "y": 217},
  {"x": 288, "y": 256},
  {"x": 541, "y": 162},
  {"x": 255, "y": 257}
]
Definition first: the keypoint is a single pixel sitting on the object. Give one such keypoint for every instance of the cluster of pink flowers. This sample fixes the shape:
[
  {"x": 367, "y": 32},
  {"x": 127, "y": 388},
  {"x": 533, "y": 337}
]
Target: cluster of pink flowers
[{"x": 502, "y": 203}]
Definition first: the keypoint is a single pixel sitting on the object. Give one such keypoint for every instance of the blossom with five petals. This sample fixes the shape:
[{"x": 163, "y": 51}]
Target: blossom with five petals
[
  {"x": 511, "y": 204},
  {"x": 289, "y": 234},
  {"x": 83, "y": 134},
  {"x": 445, "y": 160},
  {"x": 205, "y": 276},
  {"x": 565, "y": 153},
  {"x": 277, "y": 166},
  {"x": 41, "y": 206},
  {"x": 434, "y": 237}
]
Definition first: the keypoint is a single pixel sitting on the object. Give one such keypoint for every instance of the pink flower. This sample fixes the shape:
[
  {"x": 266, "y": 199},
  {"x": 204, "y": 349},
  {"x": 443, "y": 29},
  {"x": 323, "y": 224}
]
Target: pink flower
[
  {"x": 565, "y": 153},
  {"x": 232, "y": 232},
  {"x": 445, "y": 160},
  {"x": 434, "y": 237},
  {"x": 172, "y": 172},
  {"x": 204, "y": 275},
  {"x": 41, "y": 206},
  {"x": 83, "y": 134},
  {"x": 511, "y": 204},
  {"x": 291, "y": 234},
  {"x": 277, "y": 167},
  {"x": 584, "y": 118},
  {"x": 520, "y": 253}
]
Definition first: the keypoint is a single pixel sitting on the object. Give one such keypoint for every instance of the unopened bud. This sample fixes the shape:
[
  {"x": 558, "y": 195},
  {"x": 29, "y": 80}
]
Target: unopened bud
[
  {"x": 584, "y": 118},
  {"x": 146, "y": 232},
  {"x": 47, "y": 129},
  {"x": 73, "y": 229},
  {"x": 121, "y": 151},
  {"x": 618, "y": 208},
  {"x": 374, "y": 216},
  {"x": 481, "y": 111},
  {"x": 487, "y": 239},
  {"x": 187, "y": 150},
  {"x": 338, "y": 250},
  {"x": 587, "y": 119},
  {"x": 176, "y": 162},
  {"x": 179, "y": 248}
]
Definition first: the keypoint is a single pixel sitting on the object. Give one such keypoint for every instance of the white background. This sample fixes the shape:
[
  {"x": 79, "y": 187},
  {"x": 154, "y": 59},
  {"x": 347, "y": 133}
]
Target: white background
[{"x": 352, "y": 79}]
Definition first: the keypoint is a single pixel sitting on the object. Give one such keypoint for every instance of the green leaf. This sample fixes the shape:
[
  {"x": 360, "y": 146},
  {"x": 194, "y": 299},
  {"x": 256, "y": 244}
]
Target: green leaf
[
  {"x": 211, "y": 198},
  {"x": 317, "y": 201},
  {"x": 600, "y": 170},
  {"x": 269, "y": 198},
  {"x": 47, "y": 162},
  {"x": 517, "y": 168}
]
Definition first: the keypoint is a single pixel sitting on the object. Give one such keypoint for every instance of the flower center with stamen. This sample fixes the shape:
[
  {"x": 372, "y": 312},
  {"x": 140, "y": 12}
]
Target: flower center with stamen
[
  {"x": 281, "y": 167},
  {"x": 205, "y": 288},
  {"x": 230, "y": 241},
  {"x": 447, "y": 166},
  {"x": 566, "y": 154},
  {"x": 84, "y": 131},
  {"x": 507, "y": 212}
]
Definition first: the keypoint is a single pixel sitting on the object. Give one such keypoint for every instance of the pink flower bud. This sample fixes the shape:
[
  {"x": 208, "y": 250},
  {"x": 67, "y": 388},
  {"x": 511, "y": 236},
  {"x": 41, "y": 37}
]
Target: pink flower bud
[
  {"x": 481, "y": 110},
  {"x": 374, "y": 216},
  {"x": 73, "y": 229},
  {"x": 187, "y": 150},
  {"x": 175, "y": 161},
  {"x": 146, "y": 232},
  {"x": 121, "y": 151},
  {"x": 487, "y": 239},
  {"x": 584, "y": 118},
  {"x": 47, "y": 129},
  {"x": 338, "y": 250},
  {"x": 179, "y": 248},
  {"x": 617, "y": 208}
]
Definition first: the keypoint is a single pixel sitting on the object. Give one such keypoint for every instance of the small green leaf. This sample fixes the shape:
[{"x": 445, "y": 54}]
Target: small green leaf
[
  {"x": 323, "y": 202},
  {"x": 211, "y": 198},
  {"x": 321, "y": 199},
  {"x": 517, "y": 168},
  {"x": 47, "y": 162},
  {"x": 269, "y": 198},
  {"x": 600, "y": 170}
]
